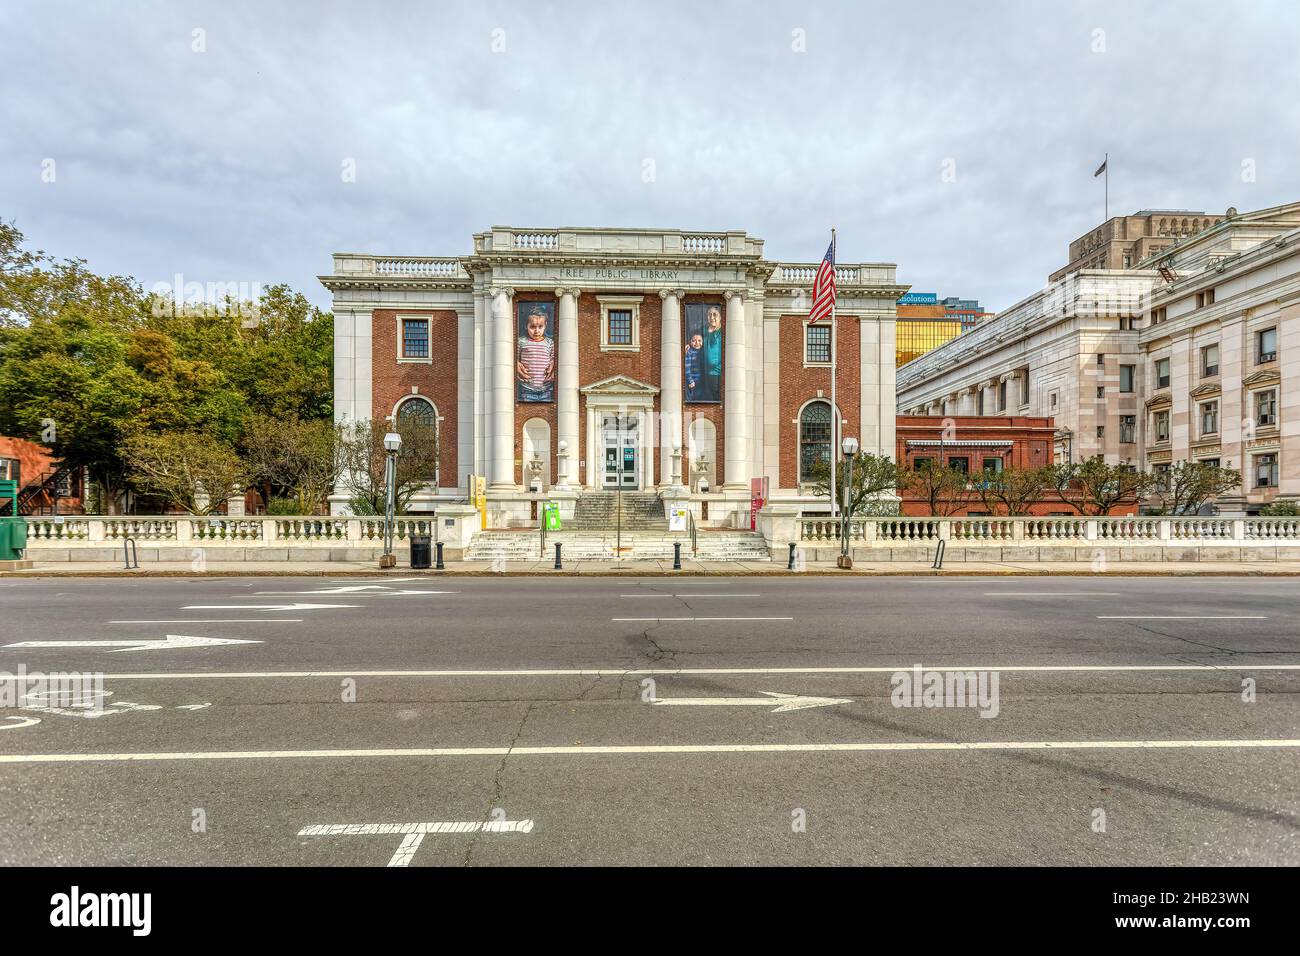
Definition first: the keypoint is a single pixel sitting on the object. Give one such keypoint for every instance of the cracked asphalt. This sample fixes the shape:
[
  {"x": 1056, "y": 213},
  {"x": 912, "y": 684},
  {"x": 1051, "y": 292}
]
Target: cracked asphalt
[{"x": 632, "y": 721}]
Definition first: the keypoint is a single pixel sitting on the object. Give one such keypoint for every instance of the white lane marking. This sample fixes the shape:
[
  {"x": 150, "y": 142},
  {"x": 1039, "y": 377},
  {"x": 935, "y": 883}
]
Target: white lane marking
[
  {"x": 218, "y": 620},
  {"x": 22, "y": 722},
  {"x": 690, "y": 595},
  {"x": 381, "y": 591},
  {"x": 620, "y": 620},
  {"x": 1181, "y": 617},
  {"x": 653, "y": 671},
  {"x": 785, "y": 702},
  {"x": 171, "y": 641},
  {"x": 265, "y": 607},
  {"x": 1052, "y": 594},
  {"x": 567, "y": 751},
  {"x": 413, "y": 834}
]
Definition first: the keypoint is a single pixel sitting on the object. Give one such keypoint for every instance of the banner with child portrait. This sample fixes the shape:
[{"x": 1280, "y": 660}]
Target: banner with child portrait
[
  {"x": 535, "y": 352},
  {"x": 702, "y": 365}
]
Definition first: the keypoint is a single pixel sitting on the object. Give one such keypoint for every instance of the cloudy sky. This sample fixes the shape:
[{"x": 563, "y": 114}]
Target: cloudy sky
[{"x": 956, "y": 139}]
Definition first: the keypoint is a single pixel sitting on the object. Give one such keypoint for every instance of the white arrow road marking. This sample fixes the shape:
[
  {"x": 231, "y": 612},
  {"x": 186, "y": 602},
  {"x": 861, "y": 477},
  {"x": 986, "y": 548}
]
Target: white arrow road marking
[
  {"x": 22, "y": 722},
  {"x": 264, "y": 607},
  {"x": 413, "y": 833},
  {"x": 786, "y": 701},
  {"x": 666, "y": 749},
  {"x": 171, "y": 641}
]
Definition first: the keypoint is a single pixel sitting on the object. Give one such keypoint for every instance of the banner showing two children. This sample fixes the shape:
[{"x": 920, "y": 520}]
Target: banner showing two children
[{"x": 703, "y": 363}]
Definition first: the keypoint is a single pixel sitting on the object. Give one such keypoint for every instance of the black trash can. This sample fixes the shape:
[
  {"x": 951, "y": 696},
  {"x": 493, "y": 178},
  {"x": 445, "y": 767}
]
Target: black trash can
[{"x": 421, "y": 551}]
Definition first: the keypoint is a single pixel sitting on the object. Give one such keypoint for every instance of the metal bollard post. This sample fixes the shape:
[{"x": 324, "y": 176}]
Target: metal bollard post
[
  {"x": 677, "y": 555},
  {"x": 558, "y": 565},
  {"x": 938, "y": 554},
  {"x": 440, "y": 566},
  {"x": 789, "y": 565}
]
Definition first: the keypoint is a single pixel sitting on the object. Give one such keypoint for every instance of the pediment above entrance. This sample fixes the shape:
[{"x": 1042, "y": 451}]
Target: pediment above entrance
[{"x": 619, "y": 386}]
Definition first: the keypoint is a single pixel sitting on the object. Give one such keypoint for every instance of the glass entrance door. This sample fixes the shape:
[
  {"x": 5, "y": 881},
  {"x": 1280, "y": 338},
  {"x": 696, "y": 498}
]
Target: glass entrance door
[{"x": 622, "y": 452}]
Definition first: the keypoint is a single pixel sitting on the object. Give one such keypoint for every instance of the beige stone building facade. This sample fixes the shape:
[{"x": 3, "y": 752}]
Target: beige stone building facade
[
  {"x": 1122, "y": 242},
  {"x": 1191, "y": 354}
]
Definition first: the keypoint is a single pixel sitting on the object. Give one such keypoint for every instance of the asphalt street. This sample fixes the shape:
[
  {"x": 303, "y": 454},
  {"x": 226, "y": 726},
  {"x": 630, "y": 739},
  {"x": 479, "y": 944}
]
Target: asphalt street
[{"x": 659, "y": 720}]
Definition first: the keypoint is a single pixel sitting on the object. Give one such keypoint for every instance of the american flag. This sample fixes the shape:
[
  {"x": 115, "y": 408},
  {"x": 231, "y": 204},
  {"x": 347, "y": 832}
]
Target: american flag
[{"x": 823, "y": 292}]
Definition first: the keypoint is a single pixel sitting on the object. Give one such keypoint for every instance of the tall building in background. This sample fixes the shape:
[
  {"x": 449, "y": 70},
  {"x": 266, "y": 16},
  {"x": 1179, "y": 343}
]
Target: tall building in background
[
  {"x": 1121, "y": 242},
  {"x": 925, "y": 322}
]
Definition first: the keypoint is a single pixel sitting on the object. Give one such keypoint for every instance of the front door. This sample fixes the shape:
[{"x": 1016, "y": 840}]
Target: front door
[{"x": 622, "y": 452}]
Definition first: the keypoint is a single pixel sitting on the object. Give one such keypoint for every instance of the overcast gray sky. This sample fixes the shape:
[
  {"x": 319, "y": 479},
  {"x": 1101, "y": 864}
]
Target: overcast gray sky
[{"x": 220, "y": 154}]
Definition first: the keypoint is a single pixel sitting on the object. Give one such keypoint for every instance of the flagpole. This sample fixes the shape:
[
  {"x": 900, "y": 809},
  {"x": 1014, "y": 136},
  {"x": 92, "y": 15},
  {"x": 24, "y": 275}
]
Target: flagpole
[
  {"x": 835, "y": 409},
  {"x": 1106, "y": 163}
]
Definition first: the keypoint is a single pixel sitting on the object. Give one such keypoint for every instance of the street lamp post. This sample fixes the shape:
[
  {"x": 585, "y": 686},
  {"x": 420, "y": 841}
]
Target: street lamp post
[
  {"x": 850, "y": 448},
  {"x": 392, "y": 445}
]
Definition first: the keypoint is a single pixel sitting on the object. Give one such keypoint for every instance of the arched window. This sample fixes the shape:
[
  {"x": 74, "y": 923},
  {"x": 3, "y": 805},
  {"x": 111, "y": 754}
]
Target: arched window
[
  {"x": 417, "y": 413},
  {"x": 814, "y": 438},
  {"x": 417, "y": 422}
]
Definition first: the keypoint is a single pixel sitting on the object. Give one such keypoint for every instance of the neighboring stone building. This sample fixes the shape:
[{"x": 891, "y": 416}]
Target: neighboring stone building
[
  {"x": 44, "y": 485},
  {"x": 554, "y": 356},
  {"x": 1121, "y": 242},
  {"x": 1191, "y": 354}
]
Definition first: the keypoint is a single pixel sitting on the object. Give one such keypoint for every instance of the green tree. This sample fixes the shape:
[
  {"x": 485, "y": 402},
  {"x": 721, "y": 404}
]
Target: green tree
[
  {"x": 362, "y": 459},
  {"x": 1187, "y": 486},
  {"x": 1014, "y": 491},
  {"x": 944, "y": 489},
  {"x": 1094, "y": 487},
  {"x": 187, "y": 469},
  {"x": 872, "y": 476},
  {"x": 302, "y": 458}
]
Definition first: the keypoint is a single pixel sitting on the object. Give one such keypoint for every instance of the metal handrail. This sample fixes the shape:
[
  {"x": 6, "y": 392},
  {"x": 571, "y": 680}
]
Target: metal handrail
[
  {"x": 541, "y": 552},
  {"x": 695, "y": 543}
]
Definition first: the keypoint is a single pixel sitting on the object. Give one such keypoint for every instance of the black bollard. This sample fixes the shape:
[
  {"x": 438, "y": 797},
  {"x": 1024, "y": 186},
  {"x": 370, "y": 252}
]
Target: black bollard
[
  {"x": 677, "y": 555},
  {"x": 789, "y": 565},
  {"x": 558, "y": 565},
  {"x": 440, "y": 566}
]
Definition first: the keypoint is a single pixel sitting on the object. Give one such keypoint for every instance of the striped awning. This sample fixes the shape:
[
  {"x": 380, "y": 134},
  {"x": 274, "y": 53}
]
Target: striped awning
[{"x": 973, "y": 443}]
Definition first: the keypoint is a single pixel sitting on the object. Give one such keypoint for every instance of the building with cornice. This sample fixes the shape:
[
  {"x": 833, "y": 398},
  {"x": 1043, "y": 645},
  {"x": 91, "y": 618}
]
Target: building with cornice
[
  {"x": 1192, "y": 354},
  {"x": 563, "y": 362}
]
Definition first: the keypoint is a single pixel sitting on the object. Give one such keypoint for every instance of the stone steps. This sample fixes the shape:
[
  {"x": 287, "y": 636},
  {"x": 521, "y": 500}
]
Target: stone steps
[
  {"x": 524, "y": 545},
  {"x": 606, "y": 510}
]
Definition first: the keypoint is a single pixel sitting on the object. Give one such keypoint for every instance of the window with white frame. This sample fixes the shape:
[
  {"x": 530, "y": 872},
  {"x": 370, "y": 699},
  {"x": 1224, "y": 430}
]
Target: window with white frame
[
  {"x": 620, "y": 323},
  {"x": 1266, "y": 471},
  {"x": 1162, "y": 373},
  {"x": 1265, "y": 345},
  {"x": 1209, "y": 418},
  {"x": 1210, "y": 361},
  {"x": 1266, "y": 407},
  {"x": 1160, "y": 423},
  {"x": 413, "y": 338},
  {"x": 1126, "y": 378},
  {"x": 817, "y": 344},
  {"x": 9, "y": 469}
]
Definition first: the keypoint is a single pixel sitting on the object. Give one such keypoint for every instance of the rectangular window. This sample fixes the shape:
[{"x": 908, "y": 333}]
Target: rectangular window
[
  {"x": 1101, "y": 359},
  {"x": 1162, "y": 426},
  {"x": 1158, "y": 315},
  {"x": 919, "y": 463},
  {"x": 993, "y": 465},
  {"x": 1209, "y": 418},
  {"x": 817, "y": 344},
  {"x": 1209, "y": 361},
  {"x": 1126, "y": 378},
  {"x": 1266, "y": 345},
  {"x": 1266, "y": 471},
  {"x": 1266, "y": 408},
  {"x": 1024, "y": 389},
  {"x": 9, "y": 469},
  {"x": 1162, "y": 373},
  {"x": 1128, "y": 428},
  {"x": 960, "y": 463},
  {"x": 1209, "y": 462},
  {"x": 1204, "y": 298},
  {"x": 1101, "y": 391},
  {"x": 620, "y": 327},
  {"x": 1053, "y": 400},
  {"x": 1002, "y": 396},
  {"x": 415, "y": 338}
]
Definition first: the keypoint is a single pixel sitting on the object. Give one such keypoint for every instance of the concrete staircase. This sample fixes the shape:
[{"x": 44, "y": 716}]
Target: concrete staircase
[
  {"x": 599, "y": 511},
  {"x": 523, "y": 545}
]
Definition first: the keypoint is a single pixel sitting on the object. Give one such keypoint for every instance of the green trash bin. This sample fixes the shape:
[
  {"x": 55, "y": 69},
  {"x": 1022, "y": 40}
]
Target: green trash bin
[{"x": 13, "y": 528}]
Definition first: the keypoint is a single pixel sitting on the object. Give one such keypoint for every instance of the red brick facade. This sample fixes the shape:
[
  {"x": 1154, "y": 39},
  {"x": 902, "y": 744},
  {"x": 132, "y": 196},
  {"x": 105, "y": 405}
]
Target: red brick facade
[
  {"x": 435, "y": 379},
  {"x": 800, "y": 384}
]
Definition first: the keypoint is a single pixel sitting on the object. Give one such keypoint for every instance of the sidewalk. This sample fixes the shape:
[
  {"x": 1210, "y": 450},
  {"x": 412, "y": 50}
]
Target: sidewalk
[{"x": 629, "y": 568}]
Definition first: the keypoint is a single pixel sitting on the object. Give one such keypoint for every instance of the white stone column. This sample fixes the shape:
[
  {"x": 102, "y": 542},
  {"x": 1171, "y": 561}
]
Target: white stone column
[
  {"x": 736, "y": 416},
  {"x": 503, "y": 391},
  {"x": 482, "y": 377},
  {"x": 566, "y": 400},
  {"x": 670, "y": 381}
]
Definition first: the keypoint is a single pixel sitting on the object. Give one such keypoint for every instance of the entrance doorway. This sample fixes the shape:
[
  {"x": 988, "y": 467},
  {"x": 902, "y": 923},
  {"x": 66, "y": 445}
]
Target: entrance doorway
[{"x": 621, "y": 439}]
